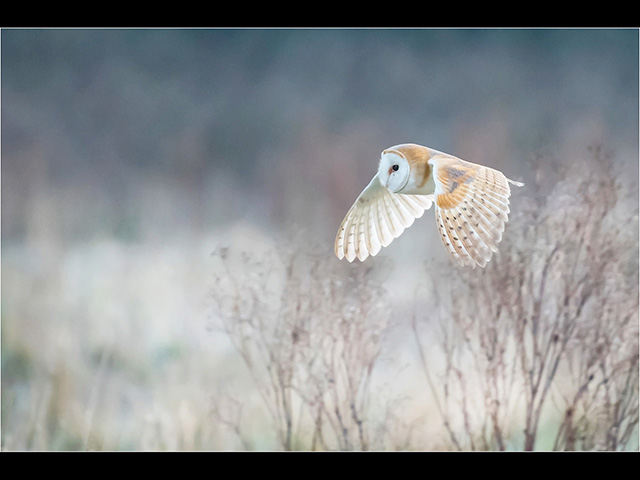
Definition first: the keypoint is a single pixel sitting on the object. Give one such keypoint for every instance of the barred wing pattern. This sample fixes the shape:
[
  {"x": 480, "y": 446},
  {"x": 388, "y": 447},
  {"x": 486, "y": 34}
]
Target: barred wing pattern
[
  {"x": 472, "y": 208},
  {"x": 375, "y": 219}
]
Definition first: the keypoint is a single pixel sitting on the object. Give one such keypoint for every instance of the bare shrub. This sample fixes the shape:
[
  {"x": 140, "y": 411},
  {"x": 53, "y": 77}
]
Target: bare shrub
[
  {"x": 309, "y": 332},
  {"x": 540, "y": 348}
]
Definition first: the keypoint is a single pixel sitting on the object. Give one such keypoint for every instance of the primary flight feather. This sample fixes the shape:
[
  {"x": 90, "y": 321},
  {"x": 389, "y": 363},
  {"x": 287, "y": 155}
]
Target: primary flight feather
[{"x": 472, "y": 205}]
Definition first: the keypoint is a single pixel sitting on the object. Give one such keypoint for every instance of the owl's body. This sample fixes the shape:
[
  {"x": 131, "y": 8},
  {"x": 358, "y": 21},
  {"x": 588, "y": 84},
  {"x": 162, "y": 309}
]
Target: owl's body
[{"x": 472, "y": 205}]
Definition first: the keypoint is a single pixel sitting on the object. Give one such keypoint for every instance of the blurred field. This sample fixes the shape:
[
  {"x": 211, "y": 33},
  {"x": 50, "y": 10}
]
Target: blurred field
[{"x": 169, "y": 204}]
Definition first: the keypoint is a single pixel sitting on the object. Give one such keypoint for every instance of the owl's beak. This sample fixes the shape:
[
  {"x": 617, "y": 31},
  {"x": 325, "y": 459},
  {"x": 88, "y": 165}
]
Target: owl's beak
[{"x": 388, "y": 176}]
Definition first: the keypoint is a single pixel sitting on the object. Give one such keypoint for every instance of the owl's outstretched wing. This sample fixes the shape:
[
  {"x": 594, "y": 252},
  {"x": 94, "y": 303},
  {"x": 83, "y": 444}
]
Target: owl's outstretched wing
[
  {"x": 375, "y": 219},
  {"x": 472, "y": 208}
]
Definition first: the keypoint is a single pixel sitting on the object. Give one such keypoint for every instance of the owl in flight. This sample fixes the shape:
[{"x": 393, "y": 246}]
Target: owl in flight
[{"x": 472, "y": 205}]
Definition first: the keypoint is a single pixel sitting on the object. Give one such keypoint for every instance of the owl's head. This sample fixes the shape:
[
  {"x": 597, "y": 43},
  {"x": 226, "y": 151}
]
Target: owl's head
[{"x": 394, "y": 170}]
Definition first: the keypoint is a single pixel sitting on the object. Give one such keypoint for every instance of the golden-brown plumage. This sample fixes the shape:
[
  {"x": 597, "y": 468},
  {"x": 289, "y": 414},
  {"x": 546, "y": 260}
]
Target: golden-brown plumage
[{"x": 472, "y": 205}]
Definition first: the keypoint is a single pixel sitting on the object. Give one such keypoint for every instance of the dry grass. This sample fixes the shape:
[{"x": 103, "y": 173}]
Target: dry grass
[{"x": 309, "y": 332}]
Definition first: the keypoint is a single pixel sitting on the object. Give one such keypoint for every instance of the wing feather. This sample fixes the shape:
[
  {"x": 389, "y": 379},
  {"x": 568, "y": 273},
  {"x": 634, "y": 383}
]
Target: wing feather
[
  {"x": 403, "y": 214},
  {"x": 375, "y": 219},
  {"x": 472, "y": 208},
  {"x": 387, "y": 214},
  {"x": 361, "y": 245},
  {"x": 416, "y": 204}
]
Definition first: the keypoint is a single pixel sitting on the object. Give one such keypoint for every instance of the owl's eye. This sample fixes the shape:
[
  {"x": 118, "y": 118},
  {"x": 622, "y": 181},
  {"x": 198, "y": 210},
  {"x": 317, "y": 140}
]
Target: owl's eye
[{"x": 395, "y": 168}]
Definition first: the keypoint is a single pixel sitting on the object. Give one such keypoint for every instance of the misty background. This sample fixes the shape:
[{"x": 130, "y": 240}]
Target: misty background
[{"x": 130, "y": 156}]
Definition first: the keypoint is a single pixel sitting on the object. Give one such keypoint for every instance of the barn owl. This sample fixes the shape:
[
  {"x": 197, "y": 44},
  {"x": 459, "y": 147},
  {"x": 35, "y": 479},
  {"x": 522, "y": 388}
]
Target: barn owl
[{"x": 472, "y": 205}]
